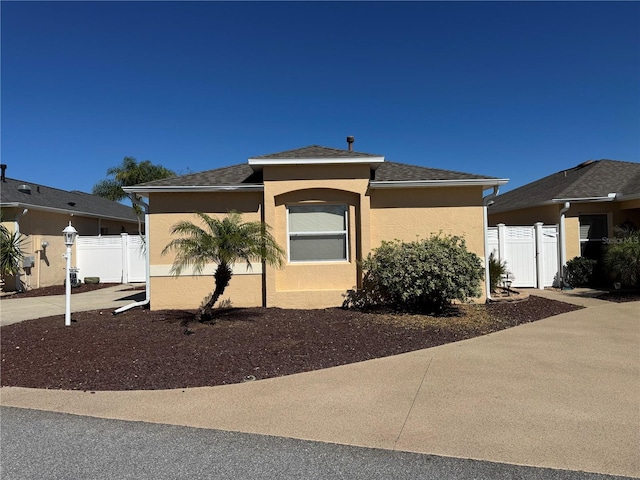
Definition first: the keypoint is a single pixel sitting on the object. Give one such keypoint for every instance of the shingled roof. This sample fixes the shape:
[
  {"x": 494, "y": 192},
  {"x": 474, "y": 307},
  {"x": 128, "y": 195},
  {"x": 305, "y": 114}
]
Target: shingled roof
[
  {"x": 316, "y": 151},
  {"x": 233, "y": 175},
  {"x": 591, "y": 179},
  {"x": 74, "y": 202},
  {"x": 403, "y": 172},
  {"x": 243, "y": 175}
]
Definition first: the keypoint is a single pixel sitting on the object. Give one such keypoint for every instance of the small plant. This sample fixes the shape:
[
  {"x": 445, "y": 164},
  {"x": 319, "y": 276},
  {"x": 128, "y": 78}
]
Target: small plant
[
  {"x": 11, "y": 253},
  {"x": 497, "y": 270},
  {"x": 225, "y": 304},
  {"x": 579, "y": 271},
  {"x": 622, "y": 257},
  {"x": 424, "y": 275}
]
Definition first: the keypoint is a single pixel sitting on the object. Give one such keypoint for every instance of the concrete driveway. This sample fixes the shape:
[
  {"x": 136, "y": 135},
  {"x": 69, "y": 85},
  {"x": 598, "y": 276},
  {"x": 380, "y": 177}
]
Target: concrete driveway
[
  {"x": 14, "y": 310},
  {"x": 563, "y": 393}
]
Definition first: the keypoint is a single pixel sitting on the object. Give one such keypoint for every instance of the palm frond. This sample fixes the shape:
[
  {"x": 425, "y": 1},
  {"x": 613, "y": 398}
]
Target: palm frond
[{"x": 223, "y": 241}]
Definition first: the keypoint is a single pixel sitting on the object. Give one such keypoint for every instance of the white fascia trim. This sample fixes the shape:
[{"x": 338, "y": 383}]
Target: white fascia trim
[
  {"x": 261, "y": 162},
  {"x": 634, "y": 196},
  {"x": 68, "y": 212},
  {"x": 483, "y": 182},
  {"x": 195, "y": 188},
  {"x": 609, "y": 198},
  {"x": 160, "y": 270}
]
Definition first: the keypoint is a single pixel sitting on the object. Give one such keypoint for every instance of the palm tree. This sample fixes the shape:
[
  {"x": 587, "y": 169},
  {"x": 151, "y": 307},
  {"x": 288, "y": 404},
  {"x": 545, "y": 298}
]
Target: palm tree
[
  {"x": 129, "y": 173},
  {"x": 223, "y": 242}
]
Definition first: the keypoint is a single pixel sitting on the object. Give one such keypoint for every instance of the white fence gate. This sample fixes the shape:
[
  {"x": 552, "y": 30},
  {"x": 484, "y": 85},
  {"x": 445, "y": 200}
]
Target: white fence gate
[
  {"x": 113, "y": 258},
  {"x": 531, "y": 253}
]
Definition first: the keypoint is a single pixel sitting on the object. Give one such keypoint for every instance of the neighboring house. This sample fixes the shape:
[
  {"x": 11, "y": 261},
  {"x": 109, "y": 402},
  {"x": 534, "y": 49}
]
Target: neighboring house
[
  {"x": 586, "y": 201},
  {"x": 40, "y": 213},
  {"x": 328, "y": 208}
]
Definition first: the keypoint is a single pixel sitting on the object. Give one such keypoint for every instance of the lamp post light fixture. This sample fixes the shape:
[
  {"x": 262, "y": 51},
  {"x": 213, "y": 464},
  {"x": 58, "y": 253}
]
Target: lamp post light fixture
[
  {"x": 507, "y": 283},
  {"x": 69, "y": 234}
]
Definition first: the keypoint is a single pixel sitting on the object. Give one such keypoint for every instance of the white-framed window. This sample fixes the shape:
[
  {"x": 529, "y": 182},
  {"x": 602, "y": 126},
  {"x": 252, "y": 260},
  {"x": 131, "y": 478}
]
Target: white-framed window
[
  {"x": 593, "y": 229},
  {"x": 318, "y": 233}
]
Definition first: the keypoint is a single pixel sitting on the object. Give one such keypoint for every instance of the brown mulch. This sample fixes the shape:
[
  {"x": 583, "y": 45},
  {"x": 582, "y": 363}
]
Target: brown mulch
[
  {"x": 146, "y": 350},
  {"x": 59, "y": 290}
]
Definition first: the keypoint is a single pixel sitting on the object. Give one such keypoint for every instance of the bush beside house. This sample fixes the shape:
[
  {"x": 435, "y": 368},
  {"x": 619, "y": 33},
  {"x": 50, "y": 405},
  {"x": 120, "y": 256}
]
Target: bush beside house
[
  {"x": 579, "y": 271},
  {"x": 622, "y": 257},
  {"x": 419, "y": 276}
]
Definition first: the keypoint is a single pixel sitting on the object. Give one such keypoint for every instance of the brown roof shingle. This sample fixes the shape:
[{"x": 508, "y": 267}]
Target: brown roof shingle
[
  {"x": 243, "y": 174},
  {"x": 316, "y": 151},
  {"x": 399, "y": 172}
]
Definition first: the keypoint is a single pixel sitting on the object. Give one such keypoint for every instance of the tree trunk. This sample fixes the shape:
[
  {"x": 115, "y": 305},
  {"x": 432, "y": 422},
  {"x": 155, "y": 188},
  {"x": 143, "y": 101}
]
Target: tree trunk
[{"x": 222, "y": 277}]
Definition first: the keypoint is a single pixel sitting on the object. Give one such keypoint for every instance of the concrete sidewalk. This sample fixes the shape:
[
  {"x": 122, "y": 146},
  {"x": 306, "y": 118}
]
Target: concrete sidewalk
[
  {"x": 13, "y": 310},
  {"x": 561, "y": 393}
]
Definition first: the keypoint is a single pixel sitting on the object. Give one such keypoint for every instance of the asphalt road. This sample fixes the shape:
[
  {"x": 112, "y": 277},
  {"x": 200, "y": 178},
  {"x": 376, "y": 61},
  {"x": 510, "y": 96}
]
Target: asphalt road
[{"x": 47, "y": 445}]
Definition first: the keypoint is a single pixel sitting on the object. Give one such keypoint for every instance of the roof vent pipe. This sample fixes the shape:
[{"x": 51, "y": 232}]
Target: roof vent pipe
[
  {"x": 3, "y": 168},
  {"x": 350, "y": 141}
]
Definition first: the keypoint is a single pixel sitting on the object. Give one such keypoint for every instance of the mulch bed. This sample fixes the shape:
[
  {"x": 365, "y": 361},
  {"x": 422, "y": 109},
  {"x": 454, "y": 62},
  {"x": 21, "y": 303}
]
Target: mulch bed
[
  {"x": 58, "y": 290},
  {"x": 146, "y": 350}
]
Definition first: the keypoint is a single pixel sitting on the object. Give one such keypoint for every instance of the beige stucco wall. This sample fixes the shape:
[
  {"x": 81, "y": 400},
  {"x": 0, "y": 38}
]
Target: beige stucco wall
[
  {"x": 188, "y": 290},
  {"x": 38, "y": 222},
  {"x": 409, "y": 214},
  {"x": 38, "y": 226},
  {"x": 315, "y": 284},
  {"x": 374, "y": 215},
  {"x": 572, "y": 233},
  {"x": 547, "y": 214}
]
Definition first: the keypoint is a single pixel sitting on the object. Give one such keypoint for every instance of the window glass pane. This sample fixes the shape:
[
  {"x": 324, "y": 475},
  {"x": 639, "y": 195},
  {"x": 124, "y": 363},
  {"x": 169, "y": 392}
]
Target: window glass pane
[
  {"x": 593, "y": 227},
  {"x": 584, "y": 232},
  {"x": 321, "y": 218},
  {"x": 318, "y": 247}
]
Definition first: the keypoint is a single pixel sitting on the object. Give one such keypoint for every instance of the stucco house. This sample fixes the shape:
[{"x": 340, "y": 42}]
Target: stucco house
[
  {"x": 327, "y": 207},
  {"x": 586, "y": 201},
  {"x": 40, "y": 213}
]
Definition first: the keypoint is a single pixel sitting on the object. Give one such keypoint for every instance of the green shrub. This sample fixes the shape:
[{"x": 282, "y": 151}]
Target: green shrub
[
  {"x": 579, "y": 271},
  {"x": 496, "y": 270},
  {"x": 423, "y": 276},
  {"x": 622, "y": 257}
]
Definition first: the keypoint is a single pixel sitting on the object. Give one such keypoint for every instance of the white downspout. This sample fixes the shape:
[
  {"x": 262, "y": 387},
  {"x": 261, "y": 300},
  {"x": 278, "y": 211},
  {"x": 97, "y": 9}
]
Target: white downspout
[
  {"x": 485, "y": 205},
  {"x": 135, "y": 199},
  {"x": 16, "y": 228},
  {"x": 563, "y": 246}
]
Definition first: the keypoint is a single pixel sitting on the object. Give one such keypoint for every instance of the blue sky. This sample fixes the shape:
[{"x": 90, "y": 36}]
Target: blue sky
[{"x": 506, "y": 89}]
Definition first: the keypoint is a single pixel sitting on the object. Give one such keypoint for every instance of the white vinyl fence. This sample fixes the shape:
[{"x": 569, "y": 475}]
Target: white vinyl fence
[
  {"x": 531, "y": 253},
  {"x": 113, "y": 258}
]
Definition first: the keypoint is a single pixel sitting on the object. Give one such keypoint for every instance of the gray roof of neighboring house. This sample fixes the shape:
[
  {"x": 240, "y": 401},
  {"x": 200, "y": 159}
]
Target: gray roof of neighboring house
[
  {"x": 595, "y": 178},
  {"x": 243, "y": 174},
  {"x": 54, "y": 199}
]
